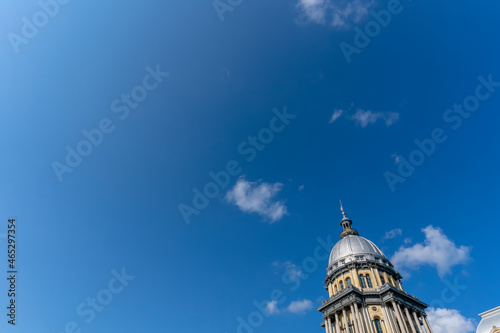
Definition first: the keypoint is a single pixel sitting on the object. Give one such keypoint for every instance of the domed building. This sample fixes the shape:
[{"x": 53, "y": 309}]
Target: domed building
[
  {"x": 365, "y": 291},
  {"x": 489, "y": 320}
]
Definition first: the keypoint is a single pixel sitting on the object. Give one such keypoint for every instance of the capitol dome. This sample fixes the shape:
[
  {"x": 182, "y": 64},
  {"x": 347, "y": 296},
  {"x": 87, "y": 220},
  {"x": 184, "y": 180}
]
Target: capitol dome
[
  {"x": 354, "y": 247},
  {"x": 365, "y": 291}
]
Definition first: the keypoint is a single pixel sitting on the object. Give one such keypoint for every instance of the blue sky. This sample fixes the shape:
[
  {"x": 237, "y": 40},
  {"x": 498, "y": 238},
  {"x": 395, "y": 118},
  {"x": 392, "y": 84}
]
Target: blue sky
[{"x": 114, "y": 115}]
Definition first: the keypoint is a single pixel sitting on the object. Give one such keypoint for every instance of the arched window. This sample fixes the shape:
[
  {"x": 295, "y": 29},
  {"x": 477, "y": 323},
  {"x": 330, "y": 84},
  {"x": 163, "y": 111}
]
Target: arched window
[
  {"x": 348, "y": 281},
  {"x": 369, "y": 280},
  {"x": 378, "y": 326},
  {"x": 363, "y": 281},
  {"x": 341, "y": 285},
  {"x": 336, "y": 291},
  {"x": 382, "y": 279}
]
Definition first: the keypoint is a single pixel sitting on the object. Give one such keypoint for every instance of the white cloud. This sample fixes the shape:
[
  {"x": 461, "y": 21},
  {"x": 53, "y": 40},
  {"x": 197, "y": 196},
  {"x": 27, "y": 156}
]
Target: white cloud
[
  {"x": 300, "y": 306},
  {"x": 396, "y": 158},
  {"x": 437, "y": 251},
  {"x": 340, "y": 14},
  {"x": 295, "y": 307},
  {"x": 301, "y": 187},
  {"x": 393, "y": 233},
  {"x": 449, "y": 321},
  {"x": 364, "y": 118},
  {"x": 407, "y": 240},
  {"x": 314, "y": 10},
  {"x": 256, "y": 197},
  {"x": 272, "y": 307},
  {"x": 336, "y": 114}
]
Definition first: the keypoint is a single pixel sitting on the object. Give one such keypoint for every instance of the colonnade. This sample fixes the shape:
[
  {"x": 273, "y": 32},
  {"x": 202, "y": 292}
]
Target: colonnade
[{"x": 356, "y": 319}]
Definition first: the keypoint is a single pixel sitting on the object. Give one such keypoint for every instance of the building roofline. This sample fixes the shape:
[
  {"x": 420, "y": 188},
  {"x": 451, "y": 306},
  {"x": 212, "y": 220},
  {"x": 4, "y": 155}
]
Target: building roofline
[{"x": 490, "y": 313}]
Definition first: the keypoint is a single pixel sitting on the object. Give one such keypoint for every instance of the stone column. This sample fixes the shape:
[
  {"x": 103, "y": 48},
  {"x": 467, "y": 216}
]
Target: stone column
[
  {"x": 402, "y": 326},
  {"x": 368, "y": 319},
  {"x": 375, "y": 281},
  {"x": 327, "y": 330},
  {"x": 362, "y": 328},
  {"x": 329, "y": 323},
  {"x": 346, "y": 325},
  {"x": 417, "y": 322},
  {"x": 387, "y": 320},
  {"x": 427, "y": 325},
  {"x": 355, "y": 277},
  {"x": 410, "y": 320},
  {"x": 377, "y": 274},
  {"x": 354, "y": 320},
  {"x": 403, "y": 317},
  {"x": 386, "y": 277},
  {"x": 337, "y": 326},
  {"x": 392, "y": 316}
]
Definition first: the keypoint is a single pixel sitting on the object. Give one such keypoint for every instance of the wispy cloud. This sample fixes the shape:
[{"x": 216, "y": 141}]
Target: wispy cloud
[
  {"x": 340, "y": 14},
  {"x": 300, "y": 306},
  {"x": 437, "y": 251},
  {"x": 256, "y": 197},
  {"x": 449, "y": 321},
  {"x": 301, "y": 187},
  {"x": 345, "y": 13},
  {"x": 366, "y": 117},
  {"x": 393, "y": 233},
  {"x": 295, "y": 307},
  {"x": 336, "y": 114}
]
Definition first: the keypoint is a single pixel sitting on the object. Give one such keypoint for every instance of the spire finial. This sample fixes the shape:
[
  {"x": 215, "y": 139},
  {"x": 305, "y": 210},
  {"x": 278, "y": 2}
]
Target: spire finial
[{"x": 346, "y": 223}]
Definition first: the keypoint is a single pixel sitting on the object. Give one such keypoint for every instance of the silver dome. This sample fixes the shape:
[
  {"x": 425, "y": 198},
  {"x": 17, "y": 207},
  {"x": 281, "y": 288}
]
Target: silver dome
[{"x": 354, "y": 248}]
